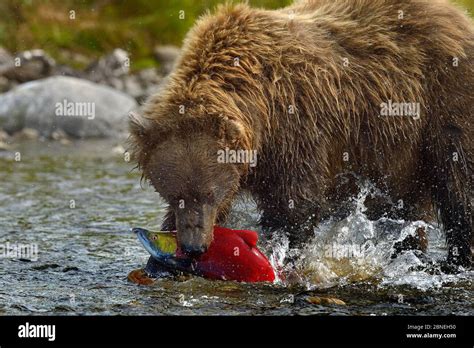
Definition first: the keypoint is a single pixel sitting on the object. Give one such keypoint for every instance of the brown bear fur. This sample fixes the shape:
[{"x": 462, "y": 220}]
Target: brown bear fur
[{"x": 304, "y": 86}]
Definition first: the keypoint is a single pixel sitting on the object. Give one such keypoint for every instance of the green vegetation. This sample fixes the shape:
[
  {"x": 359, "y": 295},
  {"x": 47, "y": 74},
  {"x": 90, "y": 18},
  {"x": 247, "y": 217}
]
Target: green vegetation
[{"x": 102, "y": 25}]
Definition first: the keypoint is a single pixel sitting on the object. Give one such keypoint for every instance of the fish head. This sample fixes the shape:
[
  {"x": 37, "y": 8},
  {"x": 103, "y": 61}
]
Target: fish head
[{"x": 159, "y": 244}]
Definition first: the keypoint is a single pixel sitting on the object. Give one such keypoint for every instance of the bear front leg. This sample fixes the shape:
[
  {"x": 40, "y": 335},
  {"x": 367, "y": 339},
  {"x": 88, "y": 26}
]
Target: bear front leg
[
  {"x": 296, "y": 219},
  {"x": 452, "y": 191}
]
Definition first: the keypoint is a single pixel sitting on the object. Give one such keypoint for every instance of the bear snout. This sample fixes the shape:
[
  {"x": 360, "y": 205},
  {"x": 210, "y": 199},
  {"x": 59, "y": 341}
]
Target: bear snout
[{"x": 195, "y": 229}]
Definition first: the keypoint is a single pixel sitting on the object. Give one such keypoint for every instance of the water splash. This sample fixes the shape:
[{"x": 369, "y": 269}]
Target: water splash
[{"x": 358, "y": 249}]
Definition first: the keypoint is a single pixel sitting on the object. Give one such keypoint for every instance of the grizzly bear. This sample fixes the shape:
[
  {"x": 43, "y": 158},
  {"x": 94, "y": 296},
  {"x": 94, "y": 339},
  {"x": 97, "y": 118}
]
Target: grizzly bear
[{"x": 377, "y": 89}]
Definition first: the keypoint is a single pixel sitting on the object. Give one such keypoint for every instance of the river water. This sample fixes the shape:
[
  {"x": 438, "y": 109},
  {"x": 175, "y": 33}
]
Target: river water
[{"x": 71, "y": 207}]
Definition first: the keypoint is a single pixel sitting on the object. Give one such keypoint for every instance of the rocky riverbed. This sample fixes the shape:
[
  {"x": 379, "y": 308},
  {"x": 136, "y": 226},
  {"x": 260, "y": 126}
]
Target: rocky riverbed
[{"x": 56, "y": 101}]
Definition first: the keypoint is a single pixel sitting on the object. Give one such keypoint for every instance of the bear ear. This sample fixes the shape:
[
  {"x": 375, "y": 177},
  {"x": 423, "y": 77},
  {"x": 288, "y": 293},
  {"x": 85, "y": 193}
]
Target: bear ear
[
  {"x": 140, "y": 138},
  {"x": 139, "y": 126},
  {"x": 231, "y": 131}
]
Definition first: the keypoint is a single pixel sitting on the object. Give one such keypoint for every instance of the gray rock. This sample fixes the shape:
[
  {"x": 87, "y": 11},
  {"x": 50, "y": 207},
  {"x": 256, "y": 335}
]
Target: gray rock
[
  {"x": 4, "y": 146},
  {"x": 149, "y": 77},
  {"x": 167, "y": 56},
  {"x": 116, "y": 83},
  {"x": 4, "y": 84},
  {"x": 27, "y": 134},
  {"x": 113, "y": 65},
  {"x": 6, "y": 60},
  {"x": 142, "y": 84},
  {"x": 3, "y": 136},
  {"x": 30, "y": 65},
  {"x": 65, "y": 70},
  {"x": 132, "y": 86},
  {"x": 80, "y": 108}
]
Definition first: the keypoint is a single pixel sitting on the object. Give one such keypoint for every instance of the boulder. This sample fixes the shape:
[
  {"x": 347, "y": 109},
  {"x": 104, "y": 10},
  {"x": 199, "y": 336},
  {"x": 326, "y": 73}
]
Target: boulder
[
  {"x": 4, "y": 84},
  {"x": 29, "y": 65},
  {"x": 142, "y": 84},
  {"x": 114, "y": 70},
  {"x": 6, "y": 64},
  {"x": 6, "y": 60},
  {"x": 79, "y": 108},
  {"x": 113, "y": 65}
]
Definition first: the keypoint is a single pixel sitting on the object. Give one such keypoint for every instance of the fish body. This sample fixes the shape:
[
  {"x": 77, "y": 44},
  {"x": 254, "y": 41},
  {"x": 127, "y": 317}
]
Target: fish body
[{"x": 232, "y": 255}]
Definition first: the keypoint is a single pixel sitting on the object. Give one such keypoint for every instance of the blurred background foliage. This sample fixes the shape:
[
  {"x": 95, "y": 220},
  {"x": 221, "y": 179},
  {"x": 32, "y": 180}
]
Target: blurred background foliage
[{"x": 102, "y": 25}]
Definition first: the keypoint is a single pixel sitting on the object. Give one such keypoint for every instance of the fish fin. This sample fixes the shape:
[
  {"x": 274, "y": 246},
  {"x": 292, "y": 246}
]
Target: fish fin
[{"x": 249, "y": 237}]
